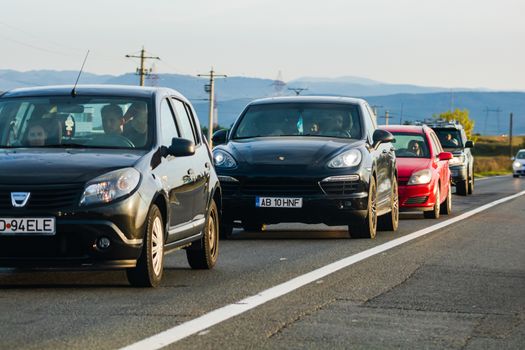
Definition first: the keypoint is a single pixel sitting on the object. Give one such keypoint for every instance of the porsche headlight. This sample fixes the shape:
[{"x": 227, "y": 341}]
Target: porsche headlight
[
  {"x": 420, "y": 177},
  {"x": 345, "y": 160},
  {"x": 111, "y": 186},
  {"x": 457, "y": 160},
  {"x": 223, "y": 159}
]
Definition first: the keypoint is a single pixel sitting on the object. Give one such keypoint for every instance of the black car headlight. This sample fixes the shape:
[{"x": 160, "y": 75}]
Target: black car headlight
[
  {"x": 111, "y": 186},
  {"x": 223, "y": 159},
  {"x": 346, "y": 159}
]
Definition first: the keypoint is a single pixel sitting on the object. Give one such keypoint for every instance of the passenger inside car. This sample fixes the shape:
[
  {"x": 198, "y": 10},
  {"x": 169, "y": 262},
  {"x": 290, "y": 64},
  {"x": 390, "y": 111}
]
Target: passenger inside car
[
  {"x": 36, "y": 134},
  {"x": 136, "y": 127},
  {"x": 112, "y": 119}
]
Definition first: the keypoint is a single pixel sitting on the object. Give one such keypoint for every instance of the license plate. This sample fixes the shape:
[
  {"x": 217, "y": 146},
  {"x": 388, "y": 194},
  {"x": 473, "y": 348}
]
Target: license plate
[
  {"x": 278, "y": 202},
  {"x": 36, "y": 226}
]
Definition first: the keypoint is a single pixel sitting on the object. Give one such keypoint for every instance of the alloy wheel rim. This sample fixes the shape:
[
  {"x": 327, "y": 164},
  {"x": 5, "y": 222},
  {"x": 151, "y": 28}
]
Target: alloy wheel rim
[
  {"x": 212, "y": 234},
  {"x": 373, "y": 212},
  {"x": 157, "y": 246}
]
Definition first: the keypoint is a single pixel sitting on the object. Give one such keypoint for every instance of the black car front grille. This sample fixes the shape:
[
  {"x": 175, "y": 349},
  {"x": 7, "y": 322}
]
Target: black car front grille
[
  {"x": 340, "y": 187},
  {"x": 280, "y": 187},
  {"x": 43, "y": 197}
]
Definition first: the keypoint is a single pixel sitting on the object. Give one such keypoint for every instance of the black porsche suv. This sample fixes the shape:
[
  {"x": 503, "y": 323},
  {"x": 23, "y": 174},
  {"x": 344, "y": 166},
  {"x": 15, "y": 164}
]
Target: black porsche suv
[
  {"x": 307, "y": 159},
  {"x": 105, "y": 177}
]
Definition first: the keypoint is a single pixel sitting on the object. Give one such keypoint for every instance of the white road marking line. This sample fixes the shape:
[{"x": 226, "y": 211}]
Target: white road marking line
[
  {"x": 492, "y": 177},
  {"x": 224, "y": 313}
]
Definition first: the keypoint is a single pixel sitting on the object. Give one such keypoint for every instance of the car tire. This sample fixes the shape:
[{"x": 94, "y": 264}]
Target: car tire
[
  {"x": 203, "y": 254},
  {"x": 150, "y": 265},
  {"x": 252, "y": 226},
  {"x": 470, "y": 188},
  {"x": 434, "y": 213},
  {"x": 367, "y": 227},
  {"x": 390, "y": 221},
  {"x": 461, "y": 188},
  {"x": 446, "y": 206},
  {"x": 514, "y": 175}
]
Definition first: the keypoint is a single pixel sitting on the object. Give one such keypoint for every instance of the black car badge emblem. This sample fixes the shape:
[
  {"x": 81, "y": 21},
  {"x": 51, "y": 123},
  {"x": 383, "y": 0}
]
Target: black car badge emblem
[{"x": 19, "y": 199}]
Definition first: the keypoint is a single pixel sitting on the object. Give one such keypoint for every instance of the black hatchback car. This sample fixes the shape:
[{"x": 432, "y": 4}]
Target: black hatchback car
[
  {"x": 105, "y": 177},
  {"x": 307, "y": 159}
]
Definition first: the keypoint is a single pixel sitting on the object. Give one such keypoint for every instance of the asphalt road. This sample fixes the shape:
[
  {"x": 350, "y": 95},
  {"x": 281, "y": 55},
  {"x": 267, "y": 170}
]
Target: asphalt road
[{"x": 460, "y": 287}]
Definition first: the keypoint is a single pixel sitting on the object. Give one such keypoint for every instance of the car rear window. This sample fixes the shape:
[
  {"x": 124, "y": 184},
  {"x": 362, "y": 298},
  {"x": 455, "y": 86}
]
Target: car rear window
[
  {"x": 300, "y": 119},
  {"x": 98, "y": 122}
]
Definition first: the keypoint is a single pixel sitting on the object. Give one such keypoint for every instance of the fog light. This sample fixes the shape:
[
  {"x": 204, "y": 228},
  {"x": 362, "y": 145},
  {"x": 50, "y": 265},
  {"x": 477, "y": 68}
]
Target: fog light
[
  {"x": 348, "y": 204},
  {"x": 103, "y": 243}
]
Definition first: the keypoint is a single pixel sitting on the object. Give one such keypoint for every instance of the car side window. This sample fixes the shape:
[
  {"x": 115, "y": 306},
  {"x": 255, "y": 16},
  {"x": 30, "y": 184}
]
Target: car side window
[
  {"x": 167, "y": 123},
  {"x": 369, "y": 124},
  {"x": 183, "y": 118},
  {"x": 194, "y": 123},
  {"x": 437, "y": 144}
]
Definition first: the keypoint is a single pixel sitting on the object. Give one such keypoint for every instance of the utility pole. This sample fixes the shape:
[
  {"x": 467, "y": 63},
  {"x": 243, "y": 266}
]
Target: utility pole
[
  {"x": 386, "y": 117},
  {"x": 374, "y": 109},
  {"x": 488, "y": 110},
  {"x": 142, "y": 71},
  {"x": 211, "y": 89},
  {"x": 510, "y": 135}
]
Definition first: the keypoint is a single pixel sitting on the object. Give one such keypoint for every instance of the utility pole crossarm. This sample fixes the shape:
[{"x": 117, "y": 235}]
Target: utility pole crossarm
[{"x": 141, "y": 71}]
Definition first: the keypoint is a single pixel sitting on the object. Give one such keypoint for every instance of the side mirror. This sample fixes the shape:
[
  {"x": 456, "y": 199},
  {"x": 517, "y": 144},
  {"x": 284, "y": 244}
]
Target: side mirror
[
  {"x": 445, "y": 156},
  {"x": 381, "y": 136},
  {"x": 513, "y": 158},
  {"x": 179, "y": 148},
  {"x": 469, "y": 144},
  {"x": 219, "y": 137}
]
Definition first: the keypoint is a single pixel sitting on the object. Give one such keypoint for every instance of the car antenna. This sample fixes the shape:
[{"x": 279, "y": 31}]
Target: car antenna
[{"x": 74, "y": 91}]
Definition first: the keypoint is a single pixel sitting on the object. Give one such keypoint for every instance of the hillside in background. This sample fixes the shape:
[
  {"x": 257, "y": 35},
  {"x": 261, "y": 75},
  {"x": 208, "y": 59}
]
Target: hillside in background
[{"x": 403, "y": 101}]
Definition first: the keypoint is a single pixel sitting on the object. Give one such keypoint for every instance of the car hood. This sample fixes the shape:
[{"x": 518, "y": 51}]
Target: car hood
[
  {"x": 47, "y": 166},
  {"x": 295, "y": 151},
  {"x": 406, "y": 166}
]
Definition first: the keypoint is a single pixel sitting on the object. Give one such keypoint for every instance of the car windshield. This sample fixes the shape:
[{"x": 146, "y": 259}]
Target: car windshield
[
  {"x": 84, "y": 122},
  {"x": 300, "y": 119},
  {"x": 520, "y": 155},
  {"x": 410, "y": 145},
  {"x": 449, "y": 138}
]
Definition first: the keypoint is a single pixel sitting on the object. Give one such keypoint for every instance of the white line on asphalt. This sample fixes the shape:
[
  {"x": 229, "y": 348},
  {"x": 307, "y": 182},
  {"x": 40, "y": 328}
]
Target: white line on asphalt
[
  {"x": 492, "y": 177},
  {"x": 224, "y": 313}
]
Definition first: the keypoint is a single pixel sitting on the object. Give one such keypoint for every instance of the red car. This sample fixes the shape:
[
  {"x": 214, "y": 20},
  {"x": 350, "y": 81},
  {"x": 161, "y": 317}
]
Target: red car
[{"x": 422, "y": 170}]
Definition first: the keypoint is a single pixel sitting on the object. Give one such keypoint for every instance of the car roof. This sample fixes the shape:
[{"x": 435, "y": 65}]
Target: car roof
[
  {"x": 90, "y": 90},
  {"x": 308, "y": 99},
  {"x": 413, "y": 129}
]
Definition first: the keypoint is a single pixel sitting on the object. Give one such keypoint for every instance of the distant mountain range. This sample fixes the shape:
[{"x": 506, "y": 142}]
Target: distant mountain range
[{"x": 403, "y": 101}]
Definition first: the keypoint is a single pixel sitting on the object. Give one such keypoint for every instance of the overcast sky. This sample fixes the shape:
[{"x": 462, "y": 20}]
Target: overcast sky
[{"x": 447, "y": 43}]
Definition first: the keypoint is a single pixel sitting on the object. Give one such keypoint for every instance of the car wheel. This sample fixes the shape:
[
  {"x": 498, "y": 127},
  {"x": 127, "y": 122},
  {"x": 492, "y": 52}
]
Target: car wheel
[
  {"x": 150, "y": 264},
  {"x": 390, "y": 221},
  {"x": 203, "y": 254},
  {"x": 471, "y": 184},
  {"x": 461, "y": 188},
  {"x": 514, "y": 175},
  {"x": 446, "y": 206},
  {"x": 434, "y": 213},
  {"x": 252, "y": 226},
  {"x": 367, "y": 227}
]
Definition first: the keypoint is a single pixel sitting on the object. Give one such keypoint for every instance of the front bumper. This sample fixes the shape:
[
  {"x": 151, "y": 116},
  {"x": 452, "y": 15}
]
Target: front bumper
[
  {"x": 74, "y": 245},
  {"x": 458, "y": 173},
  {"x": 416, "y": 197},
  {"x": 336, "y": 203}
]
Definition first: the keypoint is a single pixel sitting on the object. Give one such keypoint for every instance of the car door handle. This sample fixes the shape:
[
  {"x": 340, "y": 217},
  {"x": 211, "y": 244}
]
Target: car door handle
[{"x": 385, "y": 151}]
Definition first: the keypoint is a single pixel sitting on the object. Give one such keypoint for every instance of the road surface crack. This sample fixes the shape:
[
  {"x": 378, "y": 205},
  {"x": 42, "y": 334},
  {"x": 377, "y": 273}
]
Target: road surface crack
[{"x": 301, "y": 316}]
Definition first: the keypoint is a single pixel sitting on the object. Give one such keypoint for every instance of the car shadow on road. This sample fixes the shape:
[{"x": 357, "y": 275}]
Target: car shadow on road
[{"x": 40, "y": 279}]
